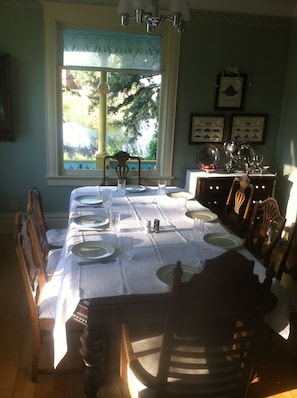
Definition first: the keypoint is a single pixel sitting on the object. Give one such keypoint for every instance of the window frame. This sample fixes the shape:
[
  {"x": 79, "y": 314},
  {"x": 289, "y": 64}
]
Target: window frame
[{"x": 105, "y": 18}]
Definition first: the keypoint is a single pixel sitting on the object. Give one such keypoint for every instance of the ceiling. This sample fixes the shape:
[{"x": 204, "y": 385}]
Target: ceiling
[{"x": 282, "y": 8}]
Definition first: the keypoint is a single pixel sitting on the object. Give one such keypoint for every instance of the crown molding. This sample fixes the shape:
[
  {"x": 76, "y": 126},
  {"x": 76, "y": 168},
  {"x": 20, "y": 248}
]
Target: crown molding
[
  {"x": 211, "y": 16},
  {"x": 21, "y": 3},
  {"x": 241, "y": 19}
]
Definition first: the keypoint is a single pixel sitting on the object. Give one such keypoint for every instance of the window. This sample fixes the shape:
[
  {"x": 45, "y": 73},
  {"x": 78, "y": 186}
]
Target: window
[
  {"x": 74, "y": 102},
  {"x": 111, "y": 84}
]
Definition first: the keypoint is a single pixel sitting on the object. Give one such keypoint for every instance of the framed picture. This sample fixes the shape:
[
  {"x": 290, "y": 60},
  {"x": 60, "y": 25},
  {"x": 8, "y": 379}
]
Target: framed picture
[
  {"x": 230, "y": 91},
  {"x": 6, "y": 129},
  {"x": 206, "y": 128},
  {"x": 249, "y": 128}
]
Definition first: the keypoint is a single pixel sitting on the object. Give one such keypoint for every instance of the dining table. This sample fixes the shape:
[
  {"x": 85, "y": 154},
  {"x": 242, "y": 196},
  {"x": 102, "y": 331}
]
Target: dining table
[{"x": 124, "y": 273}]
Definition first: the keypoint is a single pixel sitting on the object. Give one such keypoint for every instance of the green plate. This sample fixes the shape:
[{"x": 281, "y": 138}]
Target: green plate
[
  {"x": 93, "y": 250},
  {"x": 165, "y": 274},
  {"x": 90, "y": 200},
  {"x": 224, "y": 240},
  {"x": 181, "y": 194},
  {"x": 205, "y": 215},
  {"x": 135, "y": 188},
  {"x": 92, "y": 221}
]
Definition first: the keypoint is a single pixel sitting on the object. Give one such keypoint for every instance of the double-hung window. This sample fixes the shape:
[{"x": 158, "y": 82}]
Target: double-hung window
[{"x": 107, "y": 89}]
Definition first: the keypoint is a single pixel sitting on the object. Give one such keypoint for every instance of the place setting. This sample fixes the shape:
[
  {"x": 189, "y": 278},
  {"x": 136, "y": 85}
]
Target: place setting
[
  {"x": 206, "y": 215},
  {"x": 92, "y": 252},
  {"x": 223, "y": 240},
  {"x": 89, "y": 200},
  {"x": 123, "y": 189},
  {"x": 135, "y": 188},
  {"x": 91, "y": 222},
  {"x": 101, "y": 251}
]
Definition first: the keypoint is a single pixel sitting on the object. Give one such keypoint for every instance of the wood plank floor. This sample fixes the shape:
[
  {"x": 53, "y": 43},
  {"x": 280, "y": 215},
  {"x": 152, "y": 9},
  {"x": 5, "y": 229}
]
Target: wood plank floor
[{"x": 277, "y": 373}]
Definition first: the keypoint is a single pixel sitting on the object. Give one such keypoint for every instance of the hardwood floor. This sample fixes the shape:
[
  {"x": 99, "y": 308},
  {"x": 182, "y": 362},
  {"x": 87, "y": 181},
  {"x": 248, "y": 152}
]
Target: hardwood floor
[{"x": 277, "y": 373}]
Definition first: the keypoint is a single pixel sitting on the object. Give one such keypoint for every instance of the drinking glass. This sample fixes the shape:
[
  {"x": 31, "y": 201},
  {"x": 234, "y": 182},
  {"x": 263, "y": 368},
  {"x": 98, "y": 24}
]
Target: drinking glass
[
  {"x": 181, "y": 205},
  {"x": 121, "y": 188},
  {"x": 107, "y": 199},
  {"x": 115, "y": 221},
  {"x": 194, "y": 253},
  {"x": 162, "y": 186},
  {"x": 126, "y": 247},
  {"x": 198, "y": 228}
]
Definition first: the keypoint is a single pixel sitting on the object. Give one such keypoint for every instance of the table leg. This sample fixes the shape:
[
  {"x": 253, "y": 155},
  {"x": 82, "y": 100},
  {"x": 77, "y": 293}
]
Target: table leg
[{"x": 93, "y": 352}]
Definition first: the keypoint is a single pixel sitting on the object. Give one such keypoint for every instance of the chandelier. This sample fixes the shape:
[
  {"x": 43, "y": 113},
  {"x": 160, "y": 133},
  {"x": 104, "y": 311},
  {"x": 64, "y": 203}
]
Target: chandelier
[{"x": 147, "y": 12}]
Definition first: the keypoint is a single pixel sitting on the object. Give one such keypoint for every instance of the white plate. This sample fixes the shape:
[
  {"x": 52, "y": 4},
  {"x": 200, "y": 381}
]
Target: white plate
[
  {"x": 226, "y": 241},
  {"x": 181, "y": 194},
  {"x": 165, "y": 274},
  {"x": 89, "y": 200},
  {"x": 93, "y": 250},
  {"x": 92, "y": 221},
  {"x": 205, "y": 215},
  {"x": 135, "y": 188}
]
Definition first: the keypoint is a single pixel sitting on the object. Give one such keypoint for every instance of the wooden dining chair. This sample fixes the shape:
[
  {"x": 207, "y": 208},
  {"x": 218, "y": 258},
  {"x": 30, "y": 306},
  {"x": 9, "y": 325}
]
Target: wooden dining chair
[
  {"x": 266, "y": 226},
  {"x": 284, "y": 266},
  {"x": 210, "y": 339},
  {"x": 55, "y": 237},
  {"x": 45, "y": 258},
  {"x": 38, "y": 295},
  {"x": 122, "y": 169},
  {"x": 238, "y": 205}
]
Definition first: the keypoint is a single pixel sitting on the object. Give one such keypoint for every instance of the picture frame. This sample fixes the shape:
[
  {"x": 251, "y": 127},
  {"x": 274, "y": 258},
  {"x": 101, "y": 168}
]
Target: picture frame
[
  {"x": 6, "y": 125},
  {"x": 207, "y": 128},
  {"x": 230, "y": 91},
  {"x": 249, "y": 128}
]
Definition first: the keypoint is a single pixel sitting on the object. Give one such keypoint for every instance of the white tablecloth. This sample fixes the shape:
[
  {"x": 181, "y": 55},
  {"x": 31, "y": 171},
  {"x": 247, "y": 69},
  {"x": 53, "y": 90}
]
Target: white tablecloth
[{"x": 150, "y": 252}]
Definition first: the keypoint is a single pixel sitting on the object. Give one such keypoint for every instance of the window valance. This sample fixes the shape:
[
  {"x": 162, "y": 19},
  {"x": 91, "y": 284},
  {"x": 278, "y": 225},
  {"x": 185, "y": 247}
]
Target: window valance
[{"x": 116, "y": 50}]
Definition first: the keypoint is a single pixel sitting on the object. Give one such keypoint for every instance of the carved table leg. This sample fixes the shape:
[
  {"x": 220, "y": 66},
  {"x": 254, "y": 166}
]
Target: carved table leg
[{"x": 93, "y": 353}]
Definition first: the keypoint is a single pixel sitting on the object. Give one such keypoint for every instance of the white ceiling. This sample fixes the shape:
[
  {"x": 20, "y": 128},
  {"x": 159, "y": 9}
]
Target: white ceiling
[{"x": 283, "y": 8}]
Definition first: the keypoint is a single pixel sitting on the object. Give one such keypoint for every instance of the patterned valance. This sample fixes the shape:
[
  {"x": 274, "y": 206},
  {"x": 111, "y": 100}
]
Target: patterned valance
[{"x": 116, "y": 50}]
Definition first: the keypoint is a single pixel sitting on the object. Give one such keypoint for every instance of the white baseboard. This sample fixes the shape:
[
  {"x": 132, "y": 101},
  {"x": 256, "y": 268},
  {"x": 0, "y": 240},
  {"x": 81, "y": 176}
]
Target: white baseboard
[{"x": 53, "y": 220}]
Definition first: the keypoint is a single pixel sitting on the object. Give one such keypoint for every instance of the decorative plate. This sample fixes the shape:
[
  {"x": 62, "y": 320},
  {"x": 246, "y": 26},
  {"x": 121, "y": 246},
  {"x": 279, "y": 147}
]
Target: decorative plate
[
  {"x": 206, "y": 215},
  {"x": 135, "y": 188},
  {"x": 181, "y": 194},
  {"x": 89, "y": 200},
  {"x": 93, "y": 250},
  {"x": 224, "y": 240},
  {"x": 92, "y": 221},
  {"x": 207, "y": 156},
  {"x": 246, "y": 153},
  {"x": 165, "y": 274}
]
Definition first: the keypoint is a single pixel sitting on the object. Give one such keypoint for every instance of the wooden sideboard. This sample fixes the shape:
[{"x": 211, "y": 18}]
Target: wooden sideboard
[{"x": 211, "y": 189}]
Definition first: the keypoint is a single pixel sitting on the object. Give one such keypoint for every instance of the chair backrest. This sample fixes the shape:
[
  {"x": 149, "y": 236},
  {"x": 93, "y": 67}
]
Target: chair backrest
[
  {"x": 122, "y": 169},
  {"x": 210, "y": 338},
  {"x": 266, "y": 226},
  {"x": 238, "y": 203},
  {"x": 33, "y": 277},
  {"x": 284, "y": 265},
  {"x": 37, "y": 227}
]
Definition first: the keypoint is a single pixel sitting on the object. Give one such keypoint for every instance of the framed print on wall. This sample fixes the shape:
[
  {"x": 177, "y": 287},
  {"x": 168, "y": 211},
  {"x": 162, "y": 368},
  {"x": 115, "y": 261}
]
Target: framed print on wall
[
  {"x": 230, "y": 91},
  {"x": 206, "y": 128},
  {"x": 249, "y": 128},
  {"x": 6, "y": 128}
]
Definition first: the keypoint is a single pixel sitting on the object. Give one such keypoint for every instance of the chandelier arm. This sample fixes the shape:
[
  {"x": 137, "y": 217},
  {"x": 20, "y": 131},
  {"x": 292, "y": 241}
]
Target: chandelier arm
[{"x": 151, "y": 20}]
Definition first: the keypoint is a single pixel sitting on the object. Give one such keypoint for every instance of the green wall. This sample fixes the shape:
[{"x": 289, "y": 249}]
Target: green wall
[
  {"x": 24, "y": 162},
  {"x": 212, "y": 41}
]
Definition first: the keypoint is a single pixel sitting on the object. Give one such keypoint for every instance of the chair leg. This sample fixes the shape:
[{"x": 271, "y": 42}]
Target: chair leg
[
  {"x": 123, "y": 359},
  {"x": 35, "y": 356}
]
